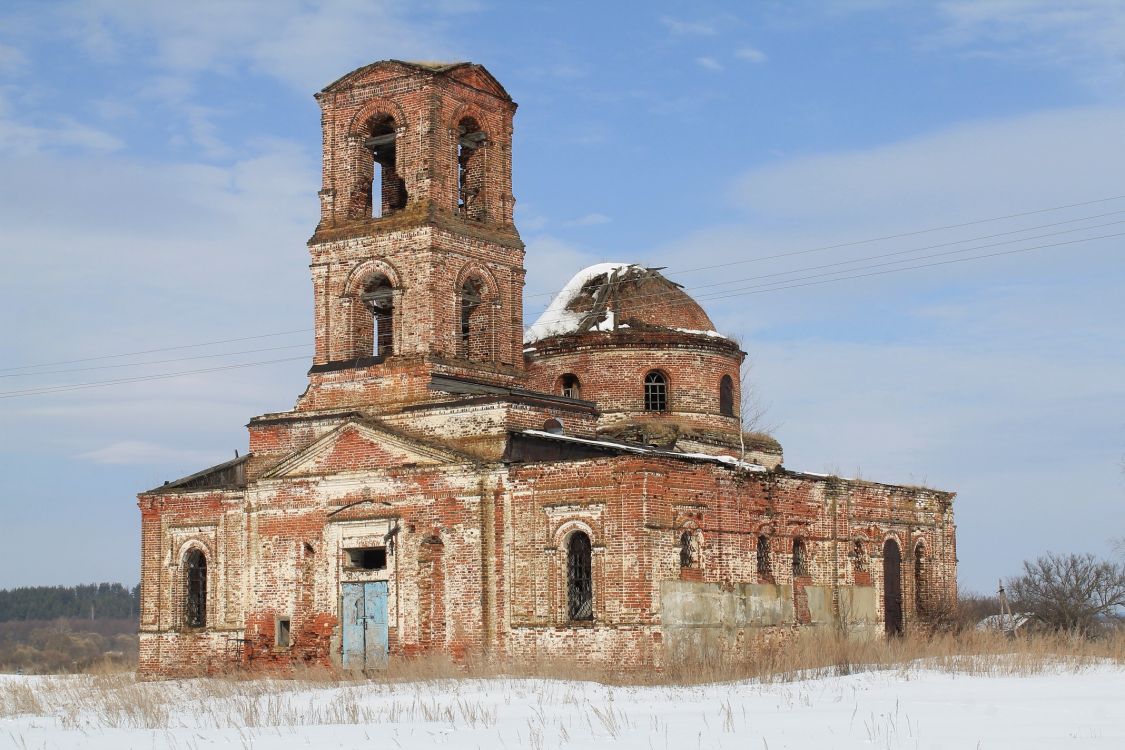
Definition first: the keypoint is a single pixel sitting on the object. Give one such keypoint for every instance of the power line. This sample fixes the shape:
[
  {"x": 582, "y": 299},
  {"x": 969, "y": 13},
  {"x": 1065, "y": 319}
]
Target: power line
[
  {"x": 687, "y": 270},
  {"x": 901, "y": 235},
  {"x": 153, "y": 351},
  {"x": 150, "y": 362},
  {"x": 137, "y": 379},
  {"x": 911, "y": 268},
  {"x": 658, "y": 299},
  {"x": 776, "y": 286}
]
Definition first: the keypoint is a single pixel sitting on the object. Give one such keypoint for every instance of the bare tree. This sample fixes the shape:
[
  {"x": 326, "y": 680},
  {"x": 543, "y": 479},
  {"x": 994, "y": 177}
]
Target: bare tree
[
  {"x": 750, "y": 407},
  {"x": 1069, "y": 592}
]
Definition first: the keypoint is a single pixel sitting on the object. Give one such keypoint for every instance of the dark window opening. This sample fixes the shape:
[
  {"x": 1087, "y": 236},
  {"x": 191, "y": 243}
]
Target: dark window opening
[
  {"x": 470, "y": 169},
  {"x": 800, "y": 558},
  {"x": 920, "y": 579},
  {"x": 892, "y": 587},
  {"x": 378, "y": 297},
  {"x": 763, "y": 555},
  {"x": 195, "y": 604},
  {"x": 579, "y": 578},
  {"x": 283, "y": 632},
  {"x": 367, "y": 558},
  {"x": 570, "y": 387},
  {"x": 381, "y": 178},
  {"x": 726, "y": 396},
  {"x": 474, "y": 329},
  {"x": 656, "y": 392}
]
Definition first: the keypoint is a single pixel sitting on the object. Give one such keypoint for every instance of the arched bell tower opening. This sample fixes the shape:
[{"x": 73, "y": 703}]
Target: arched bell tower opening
[
  {"x": 471, "y": 157},
  {"x": 380, "y": 190},
  {"x": 378, "y": 300}
]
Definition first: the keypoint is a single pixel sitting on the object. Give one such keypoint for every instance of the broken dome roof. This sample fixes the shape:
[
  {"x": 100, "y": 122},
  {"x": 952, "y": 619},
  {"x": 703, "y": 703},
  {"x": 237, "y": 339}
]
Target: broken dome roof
[{"x": 617, "y": 296}]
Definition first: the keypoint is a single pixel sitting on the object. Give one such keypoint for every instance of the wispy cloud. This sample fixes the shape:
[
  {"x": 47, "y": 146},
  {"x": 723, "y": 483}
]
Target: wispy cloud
[
  {"x": 750, "y": 54},
  {"x": 11, "y": 58},
  {"x": 589, "y": 220},
  {"x": 304, "y": 44},
  {"x": 142, "y": 452},
  {"x": 1086, "y": 36},
  {"x": 709, "y": 63},
  {"x": 52, "y": 134},
  {"x": 689, "y": 28}
]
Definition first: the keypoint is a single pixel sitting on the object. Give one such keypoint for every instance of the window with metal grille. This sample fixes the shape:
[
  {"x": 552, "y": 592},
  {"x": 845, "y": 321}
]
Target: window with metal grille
[
  {"x": 800, "y": 558},
  {"x": 579, "y": 578},
  {"x": 656, "y": 392},
  {"x": 859, "y": 557},
  {"x": 685, "y": 550},
  {"x": 763, "y": 555},
  {"x": 195, "y": 585},
  {"x": 726, "y": 396}
]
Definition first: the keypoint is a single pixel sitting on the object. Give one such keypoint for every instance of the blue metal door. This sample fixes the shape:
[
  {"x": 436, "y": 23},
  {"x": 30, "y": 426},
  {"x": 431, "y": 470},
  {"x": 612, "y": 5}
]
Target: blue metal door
[
  {"x": 375, "y": 624},
  {"x": 364, "y": 619}
]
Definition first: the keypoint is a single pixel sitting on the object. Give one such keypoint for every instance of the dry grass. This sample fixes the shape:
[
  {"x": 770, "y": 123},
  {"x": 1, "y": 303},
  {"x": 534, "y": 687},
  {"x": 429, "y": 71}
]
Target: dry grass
[{"x": 435, "y": 691}]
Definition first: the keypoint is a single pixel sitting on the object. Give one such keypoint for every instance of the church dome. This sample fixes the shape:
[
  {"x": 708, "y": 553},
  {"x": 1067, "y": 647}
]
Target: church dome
[
  {"x": 620, "y": 297},
  {"x": 635, "y": 344}
]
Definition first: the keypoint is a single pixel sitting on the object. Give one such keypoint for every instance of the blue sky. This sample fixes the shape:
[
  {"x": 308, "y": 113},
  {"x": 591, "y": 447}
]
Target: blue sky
[{"x": 160, "y": 165}]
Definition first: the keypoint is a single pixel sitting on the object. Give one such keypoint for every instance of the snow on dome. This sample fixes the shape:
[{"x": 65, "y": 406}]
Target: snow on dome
[
  {"x": 559, "y": 317},
  {"x": 615, "y": 296}
]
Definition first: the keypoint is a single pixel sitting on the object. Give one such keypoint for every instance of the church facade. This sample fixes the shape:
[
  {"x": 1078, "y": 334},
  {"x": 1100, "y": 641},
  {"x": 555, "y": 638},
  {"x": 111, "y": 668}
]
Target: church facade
[{"x": 452, "y": 483}]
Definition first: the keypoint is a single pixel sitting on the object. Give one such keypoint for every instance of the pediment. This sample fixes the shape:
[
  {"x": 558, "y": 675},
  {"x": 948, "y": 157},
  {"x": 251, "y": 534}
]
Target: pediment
[
  {"x": 479, "y": 78},
  {"x": 469, "y": 74},
  {"x": 355, "y": 447}
]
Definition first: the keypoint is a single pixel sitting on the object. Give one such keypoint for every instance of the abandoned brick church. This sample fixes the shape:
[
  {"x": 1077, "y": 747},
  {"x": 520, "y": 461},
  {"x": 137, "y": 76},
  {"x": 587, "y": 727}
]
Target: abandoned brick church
[{"x": 450, "y": 482}]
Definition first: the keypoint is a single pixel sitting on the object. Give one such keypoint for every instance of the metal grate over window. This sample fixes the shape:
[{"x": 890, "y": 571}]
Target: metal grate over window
[
  {"x": 763, "y": 555},
  {"x": 195, "y": 602},
  {"x": 800, "y": 558},
  {"x": 579, "y": 578},
  {"x": 656, "y": 392}
]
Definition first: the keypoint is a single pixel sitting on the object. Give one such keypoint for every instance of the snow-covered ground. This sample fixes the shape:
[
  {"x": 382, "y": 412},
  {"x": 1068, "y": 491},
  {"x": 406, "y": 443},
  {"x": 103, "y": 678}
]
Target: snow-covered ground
[{"x": 915, "y": 708}]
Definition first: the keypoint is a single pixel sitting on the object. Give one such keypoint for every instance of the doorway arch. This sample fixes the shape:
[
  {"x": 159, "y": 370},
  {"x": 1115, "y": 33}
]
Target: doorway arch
[{"x": 892, "y": 587}]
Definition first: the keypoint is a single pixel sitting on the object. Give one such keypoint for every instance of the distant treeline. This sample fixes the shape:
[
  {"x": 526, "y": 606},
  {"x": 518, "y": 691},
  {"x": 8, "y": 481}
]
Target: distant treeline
[{"x": 92, "y": 601}]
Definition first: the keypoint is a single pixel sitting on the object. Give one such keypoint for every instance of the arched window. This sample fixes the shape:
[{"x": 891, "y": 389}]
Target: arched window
[
  {"x": 378, "y": 298},
  {"x": 726, "y": 396},
  {"x": 195, "y": 589},
  {"x": 920, "y": 563},
  {"x": 859, "y": 557},
  {"x": 690, "y": 549},
  {"x": 470, "y": 169},
  {"x": 579, "y": 578},
  {"x": 800, "y": 558},
  {"x": 569, "y": 386},
  {"x": 764, "y": 564},
  {"x": 892, "y": 587},
  {"x": 656, "y": 392},
  {"x": 381, "y": 188},
  {"x": 474, "y": 322}
]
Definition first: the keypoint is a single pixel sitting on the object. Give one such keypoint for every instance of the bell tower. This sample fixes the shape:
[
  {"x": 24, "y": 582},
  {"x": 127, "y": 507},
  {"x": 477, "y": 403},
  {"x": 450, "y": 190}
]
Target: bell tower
[{"x": 417, "y": 267}]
